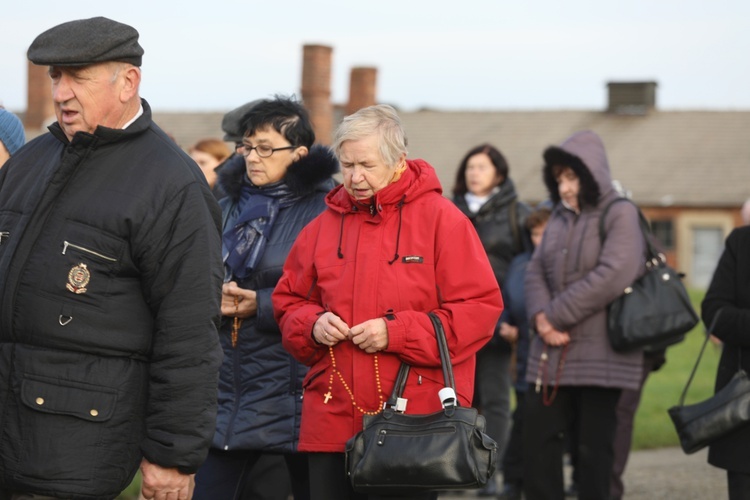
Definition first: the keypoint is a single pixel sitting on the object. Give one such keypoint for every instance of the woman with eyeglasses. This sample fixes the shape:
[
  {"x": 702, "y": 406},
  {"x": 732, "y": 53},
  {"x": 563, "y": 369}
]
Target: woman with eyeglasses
[
  {"x": 271, "y": 196},
  {"x": 485, "y": 193},
  {"x": 357, "y": 288}
]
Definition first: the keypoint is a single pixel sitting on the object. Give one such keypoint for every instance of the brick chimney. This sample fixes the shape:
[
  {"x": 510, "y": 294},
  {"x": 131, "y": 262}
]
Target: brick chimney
[
  {"x": 362, "y": 87},
  {"x": 39, "y": 105},
  {"x": 316, "y": 90},
  {"x": 631, "y": 98}
]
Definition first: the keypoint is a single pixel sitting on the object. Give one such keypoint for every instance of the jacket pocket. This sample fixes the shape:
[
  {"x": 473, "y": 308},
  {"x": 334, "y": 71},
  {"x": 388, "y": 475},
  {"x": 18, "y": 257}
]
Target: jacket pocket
[
  {"x": 315, "y": 372},
  {"x": 61, "y": 427},
  {"x": 84, "y": 403},
  {"x": 85, "y": 264}
]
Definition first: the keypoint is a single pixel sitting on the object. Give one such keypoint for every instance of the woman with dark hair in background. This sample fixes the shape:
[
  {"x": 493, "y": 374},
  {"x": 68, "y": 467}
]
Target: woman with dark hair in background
[
  {"x": 271, "y": 196},
  {"x": 484, "y": 192}
]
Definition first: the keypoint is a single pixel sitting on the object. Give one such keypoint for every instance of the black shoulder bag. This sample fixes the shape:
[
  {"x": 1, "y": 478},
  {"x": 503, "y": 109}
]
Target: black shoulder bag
[
  {"x": 655, "y": 310},
  {"x": 399, "y": 454},
  {"x": 700, "y": 424}
]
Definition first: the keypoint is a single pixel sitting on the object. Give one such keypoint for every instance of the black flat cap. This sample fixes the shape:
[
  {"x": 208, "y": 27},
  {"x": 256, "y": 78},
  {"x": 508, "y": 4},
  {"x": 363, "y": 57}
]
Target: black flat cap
[
  {"x": 231, "y": 124},
  {"x": 86, "y": 41}
]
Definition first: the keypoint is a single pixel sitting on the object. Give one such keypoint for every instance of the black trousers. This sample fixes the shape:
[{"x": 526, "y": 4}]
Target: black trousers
[
  {"x": 591, "y": 412},
  {"x": 512, "y": 461},
  {"x": 738, "y": 485},
  {"x": 328, "y": 481},
  {"x": 252, "y": 475}
]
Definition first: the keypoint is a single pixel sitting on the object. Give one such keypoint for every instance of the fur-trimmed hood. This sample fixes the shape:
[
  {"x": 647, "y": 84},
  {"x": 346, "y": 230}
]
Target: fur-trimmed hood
[
  {"x": 309, "y": 174},
  {"x": 584, "y": 153}
]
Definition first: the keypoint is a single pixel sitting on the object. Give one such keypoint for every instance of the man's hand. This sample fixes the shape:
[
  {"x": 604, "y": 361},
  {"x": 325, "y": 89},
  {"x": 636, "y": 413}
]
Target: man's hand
[{"x": 160, "y": 483}]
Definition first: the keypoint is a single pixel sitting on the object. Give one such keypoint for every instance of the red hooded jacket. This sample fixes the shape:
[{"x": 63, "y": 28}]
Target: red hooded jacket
[{"x": 410, "y": 252}]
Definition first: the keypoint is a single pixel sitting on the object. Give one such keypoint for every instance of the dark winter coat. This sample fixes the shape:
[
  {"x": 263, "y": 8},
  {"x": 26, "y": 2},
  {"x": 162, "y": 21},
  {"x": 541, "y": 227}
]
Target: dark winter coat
[
  {"x": 572, "y": 275},
  {"x": 500, "y": 224},
  {"x": 729, "y": 293},
  {"x": 260, "y": 385},
  {"x": 515, "y": 314},
  {"x": 110, "y": 274}
]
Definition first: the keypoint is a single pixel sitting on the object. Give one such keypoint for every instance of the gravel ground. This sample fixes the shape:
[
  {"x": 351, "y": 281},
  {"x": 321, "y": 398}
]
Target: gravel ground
[{"x": 665, "y": 473}]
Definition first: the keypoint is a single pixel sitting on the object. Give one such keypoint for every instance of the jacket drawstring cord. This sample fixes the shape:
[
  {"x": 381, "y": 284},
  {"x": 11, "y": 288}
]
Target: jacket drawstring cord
[
  {"x": 398, "y": 234},
  {"x": 341, "y": 237}
]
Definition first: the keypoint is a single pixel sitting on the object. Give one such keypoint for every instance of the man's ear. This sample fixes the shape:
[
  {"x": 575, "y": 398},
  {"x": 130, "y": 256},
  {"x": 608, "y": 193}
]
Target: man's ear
[{"x": 131, "y": 80}]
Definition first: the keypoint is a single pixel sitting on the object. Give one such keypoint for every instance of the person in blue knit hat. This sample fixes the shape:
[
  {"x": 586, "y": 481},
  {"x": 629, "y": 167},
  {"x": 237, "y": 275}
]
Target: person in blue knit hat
[{"x": 12, "y": 136}]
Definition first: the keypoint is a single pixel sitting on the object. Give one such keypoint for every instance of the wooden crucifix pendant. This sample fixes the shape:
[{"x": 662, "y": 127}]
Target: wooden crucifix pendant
[{"x": 328, "y": 396}]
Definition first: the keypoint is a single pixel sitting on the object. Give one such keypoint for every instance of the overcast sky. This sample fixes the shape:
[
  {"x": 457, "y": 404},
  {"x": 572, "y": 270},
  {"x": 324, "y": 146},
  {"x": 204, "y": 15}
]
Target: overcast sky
[{"x": 490, "y": 54}]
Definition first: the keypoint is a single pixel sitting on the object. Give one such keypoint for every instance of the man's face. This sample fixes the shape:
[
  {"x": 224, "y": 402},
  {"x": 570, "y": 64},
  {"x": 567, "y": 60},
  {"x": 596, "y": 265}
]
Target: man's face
[{"x": 88, "y": 96}]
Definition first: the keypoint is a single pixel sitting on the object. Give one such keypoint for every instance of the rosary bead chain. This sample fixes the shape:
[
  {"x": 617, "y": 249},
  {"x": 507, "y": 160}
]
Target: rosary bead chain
[{"x": 335, "y": 370}]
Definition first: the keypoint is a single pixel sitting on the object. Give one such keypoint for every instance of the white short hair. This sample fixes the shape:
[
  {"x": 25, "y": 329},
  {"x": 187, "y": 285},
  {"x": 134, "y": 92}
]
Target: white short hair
[{"x": 380, "y": 119}]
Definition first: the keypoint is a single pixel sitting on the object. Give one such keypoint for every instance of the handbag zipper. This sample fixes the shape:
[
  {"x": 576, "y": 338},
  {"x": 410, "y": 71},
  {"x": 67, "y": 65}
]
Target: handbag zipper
[
  {"x": 67, "y": 244},
  {"x": 440, "y": 430}
]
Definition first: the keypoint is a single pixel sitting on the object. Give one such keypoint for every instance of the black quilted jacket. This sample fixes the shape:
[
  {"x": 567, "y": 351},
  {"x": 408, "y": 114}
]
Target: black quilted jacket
[{"x": 110, "y": 275}]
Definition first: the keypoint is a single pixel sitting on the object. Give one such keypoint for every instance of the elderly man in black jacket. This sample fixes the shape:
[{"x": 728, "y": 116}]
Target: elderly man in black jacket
[{"x": 110, "y": 281}]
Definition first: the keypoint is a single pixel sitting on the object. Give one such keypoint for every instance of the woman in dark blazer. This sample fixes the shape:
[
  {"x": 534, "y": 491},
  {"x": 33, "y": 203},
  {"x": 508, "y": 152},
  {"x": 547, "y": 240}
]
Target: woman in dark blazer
[{"x": 729, "y": 293}]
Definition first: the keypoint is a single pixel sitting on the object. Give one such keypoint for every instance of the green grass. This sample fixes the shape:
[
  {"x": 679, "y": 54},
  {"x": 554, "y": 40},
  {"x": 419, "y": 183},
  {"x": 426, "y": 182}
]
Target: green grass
[
  {"x": 132, "y": 491},
  {"x": 653, "y": 427}
]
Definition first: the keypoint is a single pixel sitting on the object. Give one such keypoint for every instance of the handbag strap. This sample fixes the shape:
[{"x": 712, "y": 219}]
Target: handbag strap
[
  {"x": 445, "y": 361},
  {"x": 445, "y": 356},
  {"x": 655, "y": 257},
  {"x": 398, "y": 387},
  {"x": 700, "y": 355}
]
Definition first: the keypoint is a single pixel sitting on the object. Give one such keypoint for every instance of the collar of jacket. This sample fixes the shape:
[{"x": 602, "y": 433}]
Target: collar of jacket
[
  {"x": 504, "y": 196},
  {"x": 105, "y": 135},
  {"x": 418, "y": 179},
  {"x": 309, "y": 174}
]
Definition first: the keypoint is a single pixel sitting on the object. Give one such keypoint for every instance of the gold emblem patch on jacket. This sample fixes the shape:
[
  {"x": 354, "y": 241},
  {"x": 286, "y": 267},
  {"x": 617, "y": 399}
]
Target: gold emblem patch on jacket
[{"x": 78, "y": 278}]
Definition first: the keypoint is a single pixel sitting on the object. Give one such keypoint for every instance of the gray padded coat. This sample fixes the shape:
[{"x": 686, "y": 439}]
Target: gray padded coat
[{"x": 572, "y": 276}]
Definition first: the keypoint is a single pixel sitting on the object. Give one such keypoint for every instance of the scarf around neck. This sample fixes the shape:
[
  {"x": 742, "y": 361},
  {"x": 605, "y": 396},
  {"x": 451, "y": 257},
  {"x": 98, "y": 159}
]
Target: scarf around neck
[{"x": 249, "y": 226}]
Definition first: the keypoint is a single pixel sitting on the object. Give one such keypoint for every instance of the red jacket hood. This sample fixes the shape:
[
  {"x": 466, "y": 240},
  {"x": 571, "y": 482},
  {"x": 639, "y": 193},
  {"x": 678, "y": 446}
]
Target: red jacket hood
[{"x": 418, "y": 178}]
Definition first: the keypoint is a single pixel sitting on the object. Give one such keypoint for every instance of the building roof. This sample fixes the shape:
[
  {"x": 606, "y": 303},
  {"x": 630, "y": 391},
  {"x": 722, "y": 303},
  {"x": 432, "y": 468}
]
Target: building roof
[
  {"x": 687, "y": 158},
  {"x": 682, "y": 158}
]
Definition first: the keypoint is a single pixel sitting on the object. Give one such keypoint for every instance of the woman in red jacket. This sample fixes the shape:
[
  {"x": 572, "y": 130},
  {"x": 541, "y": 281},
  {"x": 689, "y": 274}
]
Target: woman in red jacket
[{"x": 358, "y": 284}]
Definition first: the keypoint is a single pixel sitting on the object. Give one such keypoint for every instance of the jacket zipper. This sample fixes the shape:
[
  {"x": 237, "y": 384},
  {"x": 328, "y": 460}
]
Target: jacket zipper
[
  {"x": 67, "y": 244},
  {"x": 237, "y": 394},
  {"x": 4, "y": 235}
]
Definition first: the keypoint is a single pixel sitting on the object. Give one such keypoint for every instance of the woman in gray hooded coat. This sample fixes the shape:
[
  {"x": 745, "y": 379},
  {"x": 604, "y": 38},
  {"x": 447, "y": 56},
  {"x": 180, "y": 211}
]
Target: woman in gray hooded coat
[{"x": 575, "y": 375}]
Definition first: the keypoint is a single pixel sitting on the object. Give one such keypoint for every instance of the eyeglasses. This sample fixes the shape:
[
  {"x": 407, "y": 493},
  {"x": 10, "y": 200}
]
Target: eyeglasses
[{"x": 263, "y": 150}]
